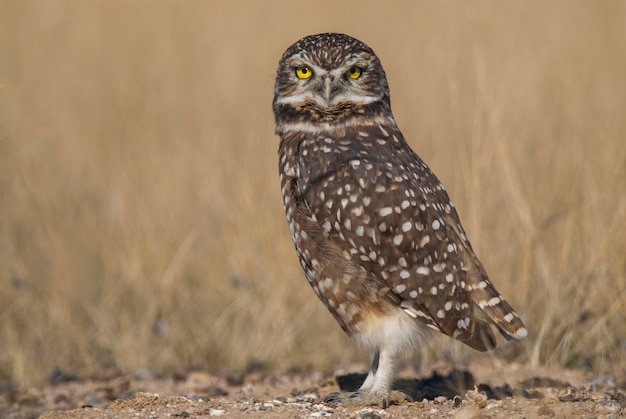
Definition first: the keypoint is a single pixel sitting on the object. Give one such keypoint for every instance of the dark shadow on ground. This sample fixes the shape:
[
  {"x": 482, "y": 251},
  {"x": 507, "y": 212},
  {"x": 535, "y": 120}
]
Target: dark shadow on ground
[{"x": 456, "y": 383}]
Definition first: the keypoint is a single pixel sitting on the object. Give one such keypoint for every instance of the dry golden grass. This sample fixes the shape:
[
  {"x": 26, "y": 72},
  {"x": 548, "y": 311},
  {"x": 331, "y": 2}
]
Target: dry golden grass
[{"x": 141, "y": 224}]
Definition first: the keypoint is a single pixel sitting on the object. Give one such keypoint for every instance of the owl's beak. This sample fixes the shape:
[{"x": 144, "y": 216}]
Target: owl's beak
[{"x": 327, "y": 88}]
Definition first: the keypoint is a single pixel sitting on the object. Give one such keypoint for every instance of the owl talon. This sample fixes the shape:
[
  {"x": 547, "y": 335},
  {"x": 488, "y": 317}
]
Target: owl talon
[
  {"x": 356, "y": 394},
  {"x": 334, "y": 397}
]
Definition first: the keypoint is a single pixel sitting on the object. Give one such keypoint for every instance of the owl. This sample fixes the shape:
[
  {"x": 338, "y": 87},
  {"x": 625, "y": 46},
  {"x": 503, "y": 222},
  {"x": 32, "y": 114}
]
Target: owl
[{"x": 375, "y": 231}]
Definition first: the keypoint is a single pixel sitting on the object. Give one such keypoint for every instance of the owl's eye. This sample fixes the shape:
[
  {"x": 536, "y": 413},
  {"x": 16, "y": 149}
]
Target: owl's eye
[
  {"x": 304, "y": 72},
  {"x": 354, "y": 72}
]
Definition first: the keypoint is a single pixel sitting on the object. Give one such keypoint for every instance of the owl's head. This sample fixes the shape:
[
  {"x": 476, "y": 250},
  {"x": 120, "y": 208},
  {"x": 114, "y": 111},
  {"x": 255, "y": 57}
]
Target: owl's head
[{"x": 329, "y": 78}]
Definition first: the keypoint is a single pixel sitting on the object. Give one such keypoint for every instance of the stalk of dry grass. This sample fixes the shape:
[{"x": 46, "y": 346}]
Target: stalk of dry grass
[{"x": 141, "y": 219}]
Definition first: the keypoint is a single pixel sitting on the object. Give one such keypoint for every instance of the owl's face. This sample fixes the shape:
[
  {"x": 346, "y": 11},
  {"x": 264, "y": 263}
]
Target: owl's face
[{"x": 328, "y": 77}]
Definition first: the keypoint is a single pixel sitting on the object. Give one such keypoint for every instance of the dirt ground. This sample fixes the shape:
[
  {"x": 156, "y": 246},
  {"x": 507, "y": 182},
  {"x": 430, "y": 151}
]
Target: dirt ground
[{"x": 485, "y": 389}]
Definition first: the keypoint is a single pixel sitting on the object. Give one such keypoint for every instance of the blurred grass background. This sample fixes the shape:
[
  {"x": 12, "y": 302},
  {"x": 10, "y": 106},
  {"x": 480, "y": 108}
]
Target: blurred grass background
[{"x": 140, "y": 219}]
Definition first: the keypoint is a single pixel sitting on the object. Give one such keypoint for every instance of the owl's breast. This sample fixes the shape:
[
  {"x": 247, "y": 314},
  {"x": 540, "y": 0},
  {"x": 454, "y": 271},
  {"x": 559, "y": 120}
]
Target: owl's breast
[{"x": 347, "y": 285}]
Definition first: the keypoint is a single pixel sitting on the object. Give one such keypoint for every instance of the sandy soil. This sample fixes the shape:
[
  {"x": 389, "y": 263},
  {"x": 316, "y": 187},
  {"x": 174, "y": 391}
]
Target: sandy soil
[{"x": 485, "y": 389}]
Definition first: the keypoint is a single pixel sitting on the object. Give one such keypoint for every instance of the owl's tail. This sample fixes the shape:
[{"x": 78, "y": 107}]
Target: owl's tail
[{"x": 497, "y": 310}]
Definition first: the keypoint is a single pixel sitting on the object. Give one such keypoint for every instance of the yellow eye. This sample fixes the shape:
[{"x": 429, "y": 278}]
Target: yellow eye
[
  {"x": 354, "y": 72},
  {"x": 304, "y": 72}
]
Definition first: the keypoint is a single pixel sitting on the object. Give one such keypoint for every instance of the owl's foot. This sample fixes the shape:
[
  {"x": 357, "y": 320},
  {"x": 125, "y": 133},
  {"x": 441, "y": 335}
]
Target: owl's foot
[{"x": 358, "y": 398}]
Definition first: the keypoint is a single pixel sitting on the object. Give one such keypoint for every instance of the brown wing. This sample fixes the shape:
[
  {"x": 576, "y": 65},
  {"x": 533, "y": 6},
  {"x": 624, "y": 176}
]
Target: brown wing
[{"x": 379, "y": 201}]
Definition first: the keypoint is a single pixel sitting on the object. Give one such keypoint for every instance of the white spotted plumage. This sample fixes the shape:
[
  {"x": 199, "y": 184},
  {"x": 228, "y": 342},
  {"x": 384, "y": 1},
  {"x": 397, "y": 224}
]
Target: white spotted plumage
[{"x": 376, "y": 233}]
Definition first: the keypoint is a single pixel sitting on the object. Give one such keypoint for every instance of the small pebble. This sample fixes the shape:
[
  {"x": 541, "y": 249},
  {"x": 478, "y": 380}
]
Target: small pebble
[{"x": 545, "y": 411}]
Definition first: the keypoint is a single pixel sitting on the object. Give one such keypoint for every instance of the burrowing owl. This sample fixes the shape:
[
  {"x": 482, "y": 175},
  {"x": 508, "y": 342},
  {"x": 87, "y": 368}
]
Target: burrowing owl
[{"x": 376, "y": 233}]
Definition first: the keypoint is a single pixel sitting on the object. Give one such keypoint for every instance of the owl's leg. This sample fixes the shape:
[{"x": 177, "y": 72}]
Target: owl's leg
[
  {"x": 369, "y": 380},
  {"x": 376, "y": 389},
  {"x": 378, "y": 384}
]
